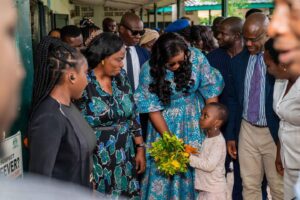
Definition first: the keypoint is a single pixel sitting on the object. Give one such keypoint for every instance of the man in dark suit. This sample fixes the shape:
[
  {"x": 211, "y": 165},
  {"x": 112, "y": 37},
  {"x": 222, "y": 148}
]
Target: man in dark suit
[
  {"x": 131, "y": 29},
  {"x": 252, "y": 121},
  {"x": 231, "y": 44}
]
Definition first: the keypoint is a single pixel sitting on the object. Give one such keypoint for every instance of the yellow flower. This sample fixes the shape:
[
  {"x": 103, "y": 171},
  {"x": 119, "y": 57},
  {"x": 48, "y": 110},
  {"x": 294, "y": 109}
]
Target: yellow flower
[
  {"x": 185, "y": 154},
  {"x": 176, "y": 164}
]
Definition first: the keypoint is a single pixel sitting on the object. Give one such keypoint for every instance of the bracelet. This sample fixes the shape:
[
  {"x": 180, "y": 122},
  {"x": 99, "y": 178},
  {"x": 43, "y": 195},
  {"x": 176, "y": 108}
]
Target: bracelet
[{"x": 140, "y": 145}]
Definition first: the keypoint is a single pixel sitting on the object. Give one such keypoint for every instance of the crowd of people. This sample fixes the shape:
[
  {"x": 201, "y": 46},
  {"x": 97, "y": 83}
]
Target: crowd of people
[{"x": 101, "y": 97}]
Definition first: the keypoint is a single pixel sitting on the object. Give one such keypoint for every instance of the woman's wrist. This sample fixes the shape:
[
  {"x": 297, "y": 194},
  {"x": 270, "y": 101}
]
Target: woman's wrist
[
  {"x": 140, "y": 150},
  {"x": 140, "y": 145},
  {"x": 166, "y": 132}
]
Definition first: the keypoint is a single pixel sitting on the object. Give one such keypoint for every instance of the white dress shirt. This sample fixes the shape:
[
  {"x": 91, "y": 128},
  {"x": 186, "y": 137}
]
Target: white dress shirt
[{"x": 135, "y": 64}]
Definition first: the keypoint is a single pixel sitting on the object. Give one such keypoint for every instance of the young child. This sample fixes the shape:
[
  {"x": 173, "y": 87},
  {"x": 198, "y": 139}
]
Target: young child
[{"x": 210, "y": 163}]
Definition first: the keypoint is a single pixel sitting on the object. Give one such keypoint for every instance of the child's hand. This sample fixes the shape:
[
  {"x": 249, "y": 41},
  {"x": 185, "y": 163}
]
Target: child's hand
[{"x": 189, "y": 149}]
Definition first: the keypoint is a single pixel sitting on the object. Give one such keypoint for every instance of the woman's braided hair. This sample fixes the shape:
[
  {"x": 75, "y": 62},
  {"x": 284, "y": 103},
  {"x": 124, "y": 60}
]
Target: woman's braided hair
[{"x": 52, "y": 58}]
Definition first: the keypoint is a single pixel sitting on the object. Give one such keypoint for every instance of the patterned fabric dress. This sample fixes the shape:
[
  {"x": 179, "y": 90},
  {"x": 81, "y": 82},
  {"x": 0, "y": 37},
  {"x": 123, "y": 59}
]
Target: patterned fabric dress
[
  {"x": 182, "y": 117},
  {"x": 116, "y": 123}
]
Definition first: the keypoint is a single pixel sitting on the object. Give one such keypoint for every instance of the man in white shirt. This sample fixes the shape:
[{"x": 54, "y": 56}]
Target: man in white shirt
[{"x": 131, "y": 29}]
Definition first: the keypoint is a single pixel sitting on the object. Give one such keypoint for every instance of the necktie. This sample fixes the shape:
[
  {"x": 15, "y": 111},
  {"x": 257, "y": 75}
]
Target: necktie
[
  {"x": 254, "y": 93},
  {"x": 129, "y": 68}
]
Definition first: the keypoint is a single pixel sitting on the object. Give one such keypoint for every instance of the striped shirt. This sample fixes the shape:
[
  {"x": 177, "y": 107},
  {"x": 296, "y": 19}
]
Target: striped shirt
[{"x": 249, "y": 72}]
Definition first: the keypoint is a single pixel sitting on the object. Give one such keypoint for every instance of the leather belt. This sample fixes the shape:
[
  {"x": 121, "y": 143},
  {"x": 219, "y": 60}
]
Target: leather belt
[
  {"x": 110, "y": 128},
  {"x": 258, "y": 126}
]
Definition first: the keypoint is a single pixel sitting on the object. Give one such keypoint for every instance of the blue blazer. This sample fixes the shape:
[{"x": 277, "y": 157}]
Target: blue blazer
[
  {"x": 143, "y": 54},
  {"x": 237, "y": 74}
]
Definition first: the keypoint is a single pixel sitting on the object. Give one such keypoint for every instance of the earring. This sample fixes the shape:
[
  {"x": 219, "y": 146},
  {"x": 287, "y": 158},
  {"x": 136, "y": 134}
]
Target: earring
[
  {"x": 215, "y": 128},
  {"x": 102, "y": 62},
  {"x": 283, "y": 67}
]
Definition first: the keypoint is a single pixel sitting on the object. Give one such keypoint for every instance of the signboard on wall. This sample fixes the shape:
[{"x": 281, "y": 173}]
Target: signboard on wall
[
  {"x": 11, "y": 164},
  {"x": 111, "y": 12}
]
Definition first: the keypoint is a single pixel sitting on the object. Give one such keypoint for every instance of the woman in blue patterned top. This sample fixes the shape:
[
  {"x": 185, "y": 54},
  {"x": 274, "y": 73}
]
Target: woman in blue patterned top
[
  {"x": 174, "y": 86},
  {"x": 108, "y": 106}
]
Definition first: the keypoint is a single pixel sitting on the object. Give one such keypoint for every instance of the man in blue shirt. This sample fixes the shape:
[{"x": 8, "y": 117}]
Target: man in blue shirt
[{"x": 231, "y": 43}]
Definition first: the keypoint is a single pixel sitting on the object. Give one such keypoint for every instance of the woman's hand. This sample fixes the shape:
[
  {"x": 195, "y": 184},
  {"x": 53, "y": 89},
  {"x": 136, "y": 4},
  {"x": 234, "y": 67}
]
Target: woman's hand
[
  {"x": 278, "y": 162},
  {"x": 140, "y": 160},
  {"x": 159, "y": 122},
  {"x": 211, "y": 100}
]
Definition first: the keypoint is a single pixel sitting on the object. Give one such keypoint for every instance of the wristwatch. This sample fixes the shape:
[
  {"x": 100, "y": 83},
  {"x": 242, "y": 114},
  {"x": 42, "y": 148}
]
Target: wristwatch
[{"x": 140, "y": 145}]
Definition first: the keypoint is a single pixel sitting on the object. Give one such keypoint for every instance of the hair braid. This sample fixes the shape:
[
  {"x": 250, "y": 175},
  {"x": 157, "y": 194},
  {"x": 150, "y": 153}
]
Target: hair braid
[{"x": 53, "y": 57}]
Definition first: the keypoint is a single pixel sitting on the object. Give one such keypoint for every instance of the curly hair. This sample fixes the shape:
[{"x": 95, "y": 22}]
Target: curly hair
[
  {"x": 205, "y": 34},
  {"x": 167, "y": 46}
]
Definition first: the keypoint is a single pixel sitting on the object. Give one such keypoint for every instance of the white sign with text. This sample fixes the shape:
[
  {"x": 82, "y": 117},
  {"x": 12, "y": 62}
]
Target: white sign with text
[{"x": 11, "y": 163}]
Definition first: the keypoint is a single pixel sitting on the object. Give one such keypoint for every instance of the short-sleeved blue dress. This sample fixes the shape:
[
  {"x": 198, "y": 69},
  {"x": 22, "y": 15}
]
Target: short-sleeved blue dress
[{"x": 182, "y": 117}]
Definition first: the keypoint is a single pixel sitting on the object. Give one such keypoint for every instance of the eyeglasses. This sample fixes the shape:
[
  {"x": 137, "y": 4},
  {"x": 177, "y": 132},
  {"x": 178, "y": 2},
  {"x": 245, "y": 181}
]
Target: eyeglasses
[
  {"x": 255, "y": 39},
  {"x": 134, "y": 32}
]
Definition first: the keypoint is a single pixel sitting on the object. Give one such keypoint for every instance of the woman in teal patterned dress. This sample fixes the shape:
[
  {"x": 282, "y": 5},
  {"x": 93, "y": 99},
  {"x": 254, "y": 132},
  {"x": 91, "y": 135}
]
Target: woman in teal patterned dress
[
  {"x": 174, "y": 86},
  {"x": 108, "y": 106}
]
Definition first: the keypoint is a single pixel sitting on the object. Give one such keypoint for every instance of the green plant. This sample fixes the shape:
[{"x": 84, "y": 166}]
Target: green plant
[
  {"x": 169, "y": 154},
  {"x": 204, "y": 21},
  {"x": 234, "y": 6}
]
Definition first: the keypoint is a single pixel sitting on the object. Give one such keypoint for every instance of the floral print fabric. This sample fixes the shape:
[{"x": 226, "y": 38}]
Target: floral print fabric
[
  {"x": 182, "y": 117},
  {"x": 115, "y": 121}
]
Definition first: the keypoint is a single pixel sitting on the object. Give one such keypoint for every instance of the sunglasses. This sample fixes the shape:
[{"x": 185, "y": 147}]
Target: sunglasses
[
  {"x": 170, "y": 65},
  {"x": 134, "y": 32}
]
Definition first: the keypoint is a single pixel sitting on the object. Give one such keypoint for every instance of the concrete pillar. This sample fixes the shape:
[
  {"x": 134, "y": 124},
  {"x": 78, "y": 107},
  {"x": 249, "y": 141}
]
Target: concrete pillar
[
  {"x": 155, "y": 16},
  {"x": 224, "y": 8},
  {"x": 180, "y": 8},
  {"x": 209, "y": 17},
  {"x": 148, "y": 18},
  {"x": 141, "y": 13}
]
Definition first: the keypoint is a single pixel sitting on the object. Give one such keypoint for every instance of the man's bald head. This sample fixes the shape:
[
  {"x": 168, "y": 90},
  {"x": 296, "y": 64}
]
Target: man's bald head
[
  {"x": 256, "y": 22},
  {"x": 130, "y": 25},
  {"x": 129, "y": 17},
  {"x": 255, "y": 32},
  {"x": 235, "y": 24}
]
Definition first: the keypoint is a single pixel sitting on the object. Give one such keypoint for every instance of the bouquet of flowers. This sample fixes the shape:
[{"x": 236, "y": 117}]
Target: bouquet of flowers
[{"x": 171, "y": 154}]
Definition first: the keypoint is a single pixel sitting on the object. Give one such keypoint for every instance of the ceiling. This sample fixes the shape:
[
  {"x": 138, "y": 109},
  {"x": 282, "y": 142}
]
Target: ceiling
[{"x": 127, "y": 4}]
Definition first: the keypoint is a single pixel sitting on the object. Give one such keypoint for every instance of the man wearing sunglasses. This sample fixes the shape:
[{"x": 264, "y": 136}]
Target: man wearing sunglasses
[{"x": 131, "y": 29}]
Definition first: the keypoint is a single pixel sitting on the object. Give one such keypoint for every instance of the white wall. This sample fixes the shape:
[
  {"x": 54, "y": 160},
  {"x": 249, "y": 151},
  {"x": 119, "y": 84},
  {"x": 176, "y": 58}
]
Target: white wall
[
  {"x": 60, "y": 7},
  {"x": 64, "y": 7},
  {"x": 98, "y": 15}
]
